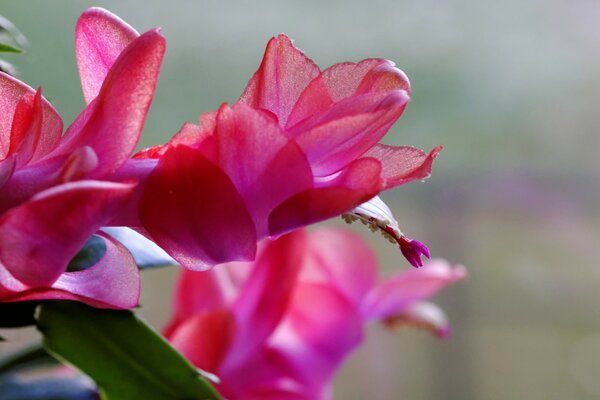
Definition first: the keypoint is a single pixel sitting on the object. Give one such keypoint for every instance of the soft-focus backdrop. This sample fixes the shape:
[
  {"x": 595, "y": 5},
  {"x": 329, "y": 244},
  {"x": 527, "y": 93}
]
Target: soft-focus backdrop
[{"x": 509, "y": 88}]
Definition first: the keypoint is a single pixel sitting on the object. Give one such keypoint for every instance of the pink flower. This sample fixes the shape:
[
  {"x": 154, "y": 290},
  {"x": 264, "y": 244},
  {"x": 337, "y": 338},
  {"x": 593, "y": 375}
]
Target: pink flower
[
  {"x": 300, "y": 146},
  {"x": 55, "y": 190},
  {"x": 278, "y": 328}
]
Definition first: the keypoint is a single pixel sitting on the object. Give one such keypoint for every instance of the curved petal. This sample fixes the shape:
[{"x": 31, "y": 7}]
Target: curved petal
[
  {"x": 26, "y": 127},
  {"x": 264, "y": 165},
  {"x": 347, "y": 130},
  {"x": 266, "y": 294},
  {"x": 190, "y": 207},
  {"x": 320, "y": 330},
  {"x": 346, "y": 80},
  {"x": 205, "y": 338},
  {"x": 145, "y": 252},
  {"x": 39, "y": 238},
  {"x": 113, "y": 282},
  {"x": 11, "y": 92},
  {"x": 198, "y": 292},
  {"x": 392, "y": 297},
  {"x": 7, "y": 168},
  {"x": 400, "y": 165},
  {"x": 283, "y": 74},
  {"x": 357, "y": 183},
  {"x": 113, "y": 122},
  {"x": 341, "y": 259},
  {"x": 100, "y": 36}
]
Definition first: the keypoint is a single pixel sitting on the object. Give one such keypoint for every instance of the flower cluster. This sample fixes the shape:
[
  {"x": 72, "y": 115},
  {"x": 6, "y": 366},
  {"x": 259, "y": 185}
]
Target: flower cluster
[
  {"x": 301, "y": 145},
  {"x": 279, "y": 327}
]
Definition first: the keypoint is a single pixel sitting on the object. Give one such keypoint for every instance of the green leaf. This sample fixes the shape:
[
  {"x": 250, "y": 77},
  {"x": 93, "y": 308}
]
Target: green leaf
[
  {"x": 126, "y": 358},
  {"x": 32, "y": 356},
  {"x": 7, "y": 48}
]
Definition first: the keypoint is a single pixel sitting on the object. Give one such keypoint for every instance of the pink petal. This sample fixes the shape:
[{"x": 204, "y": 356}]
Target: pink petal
[
  {"x": 392, "y": 296},
  {"x": 283, "y": 74},
  {"x": 113, "y": 282},
  {"x": 113, "y": 122},
  {"x": 265, "y": 296},
  {"x": 357, "y": 183},
  {"x": 11, "y": 92},
  {"x": 341, "y": 135},
  {"x": 7, "y": 168},
  {"x": 402, "y": 164},
  {"x": 189, "y": 135},
  {"x": 39, "y": 238},
  {"x": 263, "y": 164},
  {"x": 341, "y": 259},
  {"x": 319, "y": 332},
  {"x": 78, "y": 165},
  {"x": 100, "y": 37},
  {"x": 204, "y": 339},
  {"x": 198, "y": 292},
  {"x": 346, "y": 80},
  {"x": 191, "y": 209}
]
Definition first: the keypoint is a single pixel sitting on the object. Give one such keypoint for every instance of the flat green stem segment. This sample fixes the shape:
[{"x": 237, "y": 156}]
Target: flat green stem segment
[{"x": 126, "y": 358}]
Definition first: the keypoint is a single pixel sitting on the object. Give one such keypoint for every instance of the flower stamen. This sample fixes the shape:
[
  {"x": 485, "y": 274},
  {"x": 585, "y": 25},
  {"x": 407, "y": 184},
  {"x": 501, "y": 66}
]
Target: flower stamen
[{"x": 377, "y": 216}]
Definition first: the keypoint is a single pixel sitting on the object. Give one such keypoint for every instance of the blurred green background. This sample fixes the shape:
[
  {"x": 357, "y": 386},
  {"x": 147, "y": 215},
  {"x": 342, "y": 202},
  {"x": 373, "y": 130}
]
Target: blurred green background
[{"x": 509, "y": 88}]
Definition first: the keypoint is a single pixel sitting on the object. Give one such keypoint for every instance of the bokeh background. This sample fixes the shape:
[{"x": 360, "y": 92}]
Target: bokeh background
[{"x": 510, "y": 88}]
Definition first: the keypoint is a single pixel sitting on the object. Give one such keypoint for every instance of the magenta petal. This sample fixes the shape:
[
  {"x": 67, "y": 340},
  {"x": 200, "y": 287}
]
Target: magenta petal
[
  {"x": 319, "y": 332},
  {"x": 114, "y": 281},
  {"x": 336, "y": 140},
  {"x": 191, "y": 208},
  {"x": 11, "y": 93},
  {"x": 26, "y": 127},
  {"x": 392, "y": 296},
  {"x": 265, "y": 296},
  {"x": 39, "y": 237},
  {"x": 357, "y": 183},
  {"x": 273, "y": 168},
  {"x": 205, "y": 338},
  {"x": 100, "y": 37},
  {"x": 402, "y": 164},
  {"x": 113, "y": 122},
  {"x": 341, "y": 259},
  {"x": 283, "y": 74},
  {"x": 7, "y": 168},
  {"x": 201, "y": 291},
  {"x": 345, "y": 80}
]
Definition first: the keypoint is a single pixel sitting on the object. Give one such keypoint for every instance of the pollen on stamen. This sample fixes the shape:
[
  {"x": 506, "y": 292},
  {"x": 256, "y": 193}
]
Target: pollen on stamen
[{"x": 412, "y": 250}]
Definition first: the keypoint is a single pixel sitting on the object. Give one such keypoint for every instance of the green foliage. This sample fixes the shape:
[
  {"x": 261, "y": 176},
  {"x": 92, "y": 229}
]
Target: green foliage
[{"x": 122, "y": 354}]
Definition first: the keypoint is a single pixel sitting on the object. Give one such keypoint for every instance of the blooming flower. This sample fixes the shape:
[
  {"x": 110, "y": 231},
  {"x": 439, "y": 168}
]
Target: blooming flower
[
  {"x": 278, "y": 328},
  {"x": 300, "y": 146},
  {"x": 55, "y": 190}
]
